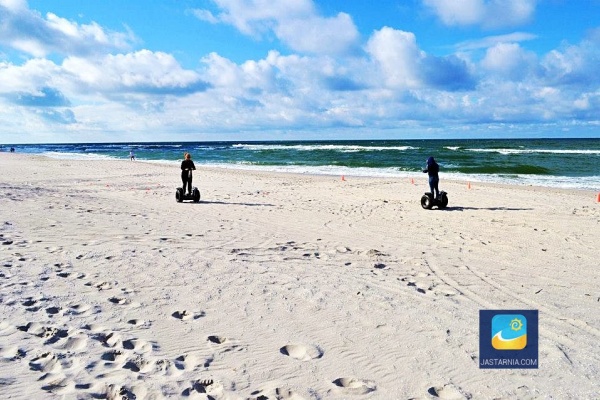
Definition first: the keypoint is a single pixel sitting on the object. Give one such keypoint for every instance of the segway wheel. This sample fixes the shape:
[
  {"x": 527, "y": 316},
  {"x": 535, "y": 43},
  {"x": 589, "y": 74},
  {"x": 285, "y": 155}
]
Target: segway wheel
[
  {"x": 426, "y": 202},
  {"x": 196, "y": 195},
  {"x": 179, "y": 195},
  {"x": 443, "y": 202}
]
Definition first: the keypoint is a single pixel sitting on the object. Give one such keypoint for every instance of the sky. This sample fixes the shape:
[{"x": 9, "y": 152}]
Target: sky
[{"x": 75, "y": 71}]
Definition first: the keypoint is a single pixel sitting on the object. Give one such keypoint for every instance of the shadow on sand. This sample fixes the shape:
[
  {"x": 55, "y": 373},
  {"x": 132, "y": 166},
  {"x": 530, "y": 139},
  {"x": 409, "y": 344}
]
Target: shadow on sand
[
  {"x": 233, "y": 204},
  {"x": 485, "y": 208}
]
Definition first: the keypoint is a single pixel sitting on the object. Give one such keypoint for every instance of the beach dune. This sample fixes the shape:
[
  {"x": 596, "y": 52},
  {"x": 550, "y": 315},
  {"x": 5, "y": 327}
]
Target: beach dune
[{"x": 281, "y": 286}]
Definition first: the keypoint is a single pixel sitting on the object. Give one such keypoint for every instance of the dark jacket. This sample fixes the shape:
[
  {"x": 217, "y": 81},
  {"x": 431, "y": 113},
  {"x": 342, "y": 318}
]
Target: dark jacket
[
  {"x": 187, "y": 165},
  {"x": 432, "y": 167}
]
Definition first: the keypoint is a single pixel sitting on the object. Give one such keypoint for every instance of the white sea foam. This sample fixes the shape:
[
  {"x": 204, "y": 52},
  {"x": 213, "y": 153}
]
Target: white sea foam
[
  {"x": 580, "y": 183},
  {"x": 565, "y": 182},
  {"x": 79, "y": 156},
  {"x": 531, "y": 151},
  {"x": 334, "y": 147}
]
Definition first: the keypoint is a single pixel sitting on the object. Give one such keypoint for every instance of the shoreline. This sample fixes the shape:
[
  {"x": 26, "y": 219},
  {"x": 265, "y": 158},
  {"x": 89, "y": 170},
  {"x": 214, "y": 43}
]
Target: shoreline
[
  {"x": 284, "y": 285},
  {"x": 479, "y": 180}
]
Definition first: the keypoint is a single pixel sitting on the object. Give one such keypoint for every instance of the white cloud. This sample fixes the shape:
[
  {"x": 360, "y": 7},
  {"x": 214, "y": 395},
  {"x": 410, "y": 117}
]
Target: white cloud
[
  {"x": 392, "y": 84},
  {"x": 205, "y": 15},
  {"x": 27, "y": 78},
  {"x": 398, "y": 56},
  {"x": 487, "y": 13},
  {"x": 29, "y": 32},
  {"x": 509, "y": 60},
  {"x": 294, "y": 22},
  {"x": 319, "y": 35},
  {"x": 143, "y": 71},
  {"x": 574, "y": 65},
  {"x": 14, "y": 5},
  {"x": 491, "y": 41}
]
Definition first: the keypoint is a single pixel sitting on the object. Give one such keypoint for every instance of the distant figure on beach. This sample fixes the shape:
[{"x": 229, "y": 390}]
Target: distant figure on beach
[
  {"x": 131, "y": 156},
  {"x": 432, "y": 170},
  {"x": 187, "y": 165},
  {"x": 12, "y": 149}
]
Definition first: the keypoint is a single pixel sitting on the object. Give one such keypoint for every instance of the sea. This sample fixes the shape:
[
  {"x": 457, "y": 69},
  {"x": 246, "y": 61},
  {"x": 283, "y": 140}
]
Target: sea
[{"x": 560, "y": 163}]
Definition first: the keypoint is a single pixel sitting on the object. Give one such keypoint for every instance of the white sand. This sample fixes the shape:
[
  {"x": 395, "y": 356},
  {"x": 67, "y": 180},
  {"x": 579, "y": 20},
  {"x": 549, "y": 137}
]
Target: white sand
[{"x": 284, "y": 286}]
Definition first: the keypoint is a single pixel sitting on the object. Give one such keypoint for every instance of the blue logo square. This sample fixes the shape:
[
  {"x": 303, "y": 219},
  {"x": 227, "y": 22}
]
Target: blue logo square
[{"x": 508, "y": 339}]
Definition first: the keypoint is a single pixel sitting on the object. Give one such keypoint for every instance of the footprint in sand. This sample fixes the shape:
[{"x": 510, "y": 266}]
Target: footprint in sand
[
  {"x": 51, "y": 334},
  {"x": 355, "y": 386},
  {"x": 46, "y": 362},
  {"x": 94, "y": 328},
  {"x": 139, "y": 364},
  {"x": 166, "y": 368},
  {"x": 221, "y": 340},
  {"x": 118, "y": 300},
  {"x": 58, "y": 383},
  {"x": 116, "y": 356},
  {"x": 12, "y": 353},
  {"x": 29, "y": 302},
  {"x": 448, "y": 392},
  {"x": 100, "y": 285},
  {"x": 6, "y": 329},
  {"x": 204, "y": 386},
  {"x": 53, "y": 310},
  {"x": 73, "y": 343},
  {"x": 122, "y": 301},
  {"x": 80, "y": 309},
  {"x": 111, "y": 339},
  {"x": 302, "y": 352},
  {"x": 277, "y": 393},
  {"x": 138, "y": 345},
  {"x": 217, "y": 339},
  {"x": 188, "y": 362},
  {"x": 186, "y": 315},
  {"x": 139, "y": 323}
]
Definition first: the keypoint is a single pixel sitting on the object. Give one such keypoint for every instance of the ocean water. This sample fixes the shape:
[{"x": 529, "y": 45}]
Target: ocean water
[{"x": 564, "y": 163}]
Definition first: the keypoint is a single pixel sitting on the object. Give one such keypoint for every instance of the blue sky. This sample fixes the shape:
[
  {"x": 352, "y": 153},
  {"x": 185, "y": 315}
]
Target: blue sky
[{"x": 176, "y": 70}]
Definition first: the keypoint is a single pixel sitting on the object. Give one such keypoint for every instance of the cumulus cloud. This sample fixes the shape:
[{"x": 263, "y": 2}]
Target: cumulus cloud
[
  {"x": 575, "y": 65},
  {"x": 143, "y": 71},
  {"x": 335, "y": 35},
  {"x": 393, "y": 83},
  {"x": 255, "y": 17},
  {"x": 28, "y": 31},
  {"x": 398, "y": 56},
  {"x": 509, "y": 60},
  {"x": 294, "y": 22},
  {"x": 486, "y": 13},
  {"x": 27, "y": 78},
  {"x": 404, "y": 65}
]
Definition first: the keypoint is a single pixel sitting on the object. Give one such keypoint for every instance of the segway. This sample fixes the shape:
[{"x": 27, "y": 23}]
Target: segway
[
  {"x": 428, "y": 201},
  {"x": 180, "y": 195}
]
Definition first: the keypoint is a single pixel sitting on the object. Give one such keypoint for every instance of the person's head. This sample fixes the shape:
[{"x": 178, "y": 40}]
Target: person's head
[
  {"x": 430, "y": 161},
  {"x": 187, "y": 156}
]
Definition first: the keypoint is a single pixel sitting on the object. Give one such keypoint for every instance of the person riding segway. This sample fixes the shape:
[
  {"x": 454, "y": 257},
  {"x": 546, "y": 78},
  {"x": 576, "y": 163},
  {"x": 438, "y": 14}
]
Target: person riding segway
[
  {"x": 429, "y": 200},
  {"x": 192, "y": 193}
]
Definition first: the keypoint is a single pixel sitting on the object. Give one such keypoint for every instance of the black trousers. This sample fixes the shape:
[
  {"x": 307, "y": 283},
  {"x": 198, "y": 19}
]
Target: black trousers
[{"x": 186, "y": 178}]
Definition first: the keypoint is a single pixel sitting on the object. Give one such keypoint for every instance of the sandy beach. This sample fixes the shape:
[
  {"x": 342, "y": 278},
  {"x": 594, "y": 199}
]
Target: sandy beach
[{"x": 281, "y": 286}]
